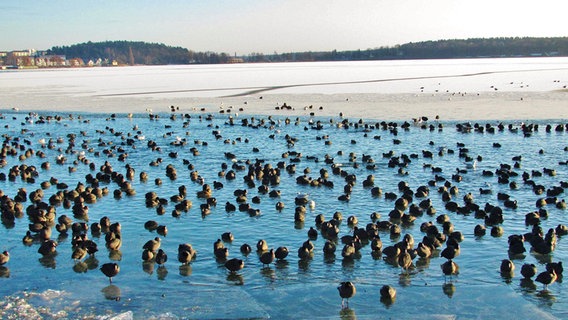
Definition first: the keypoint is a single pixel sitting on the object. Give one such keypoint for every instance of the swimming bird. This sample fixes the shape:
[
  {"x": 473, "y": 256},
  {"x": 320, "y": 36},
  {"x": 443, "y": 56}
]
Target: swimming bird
[
  {"x": 227, "y": 237},
  {"x": 218, "y": 244},
  {"x": 162, "y": 230},
  {"x": 528, "y": 270},
  {"x": 79, "y": 253},
  {"x": 4, "y": 258},
  {"x": 556, "y": 266},
  {"x": 348, "y": 251},
  {"x": 152, "y": 245},
  {"x": 303, "y": 253},
  {"x": 388, "y": 293},
  {"x": 391, "y": 252},
  {"x": 312, "y": 233},
  {"x": 423, "y": 250},
  {"x": 346, "y": 290},
  {"x": 28, "y": 239},
  {"x": 234, "y": 264},
  {"x": 507, "y": 268},
  {"x": 261, "y": 245},
  {"x": 452, "y": 250},
  {"x": 110, "y": 270},
  {"x": 450, "y": 268},
  {"x": 479, "y": 230},
  {"x": 546, "y": 278},
  {"x": 161, "y": 257},
  {"x": 404, "y": 260},
  {"x": 147, "y": 255},
  {"x": 113, "y": 241},
  {"x": 281, "y": 253},
  {"x": 329, "y": 248},
  {"x": 47, "y": 247},
  {"x": 267, "y": 257},
  {"x": 221, "y": 253},
  {"x": 246, "y": 249},
  {"x": 186, "y": 253},
  {"x": 151, "y": 225}
]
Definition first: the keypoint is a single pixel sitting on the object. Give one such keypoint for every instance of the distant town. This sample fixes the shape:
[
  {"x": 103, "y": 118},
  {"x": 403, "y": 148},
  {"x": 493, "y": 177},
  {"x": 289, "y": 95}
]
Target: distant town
[
  {"x": 120, "y": 53},
  {"x": 31, "y": 58}
]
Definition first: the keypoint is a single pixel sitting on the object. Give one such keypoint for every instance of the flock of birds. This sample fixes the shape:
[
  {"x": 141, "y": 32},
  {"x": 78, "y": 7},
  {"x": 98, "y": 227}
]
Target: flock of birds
[{"x": 43, "y": 216}]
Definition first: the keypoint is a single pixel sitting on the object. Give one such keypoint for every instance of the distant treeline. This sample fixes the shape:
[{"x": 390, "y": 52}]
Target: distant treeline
[
  {"x": 441, "y": 49},
  {"x": 125, "y": 52},
  {"x": 129, "y": 52}
]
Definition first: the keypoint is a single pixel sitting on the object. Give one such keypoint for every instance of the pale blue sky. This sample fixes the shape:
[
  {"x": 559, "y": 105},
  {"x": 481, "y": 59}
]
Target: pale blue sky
[{"x": 245, "y": 26}]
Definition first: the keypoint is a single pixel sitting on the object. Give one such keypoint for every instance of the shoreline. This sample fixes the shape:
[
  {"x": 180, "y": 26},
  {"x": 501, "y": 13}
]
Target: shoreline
[{"x": 510, "y": 105}]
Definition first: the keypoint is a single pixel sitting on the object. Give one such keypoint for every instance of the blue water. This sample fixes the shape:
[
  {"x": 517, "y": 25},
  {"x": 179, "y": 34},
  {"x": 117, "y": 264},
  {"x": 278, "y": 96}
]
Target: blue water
[{"x": 56, "y": 287}]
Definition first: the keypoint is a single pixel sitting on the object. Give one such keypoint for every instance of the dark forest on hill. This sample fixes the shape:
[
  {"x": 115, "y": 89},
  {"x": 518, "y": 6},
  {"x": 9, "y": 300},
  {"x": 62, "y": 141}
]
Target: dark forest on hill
[{"x": 142, "y": 53}]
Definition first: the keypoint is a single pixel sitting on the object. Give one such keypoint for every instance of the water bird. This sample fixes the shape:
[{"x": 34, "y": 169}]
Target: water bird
[
  {"x": 221, "y": 253},
  {"x": 147, "y": 255},
  {"x": 246, "y": 249},
  {"x": 28, "y": 239},
  {"x": 113, "y": 241},
  {"x": 110, "y": 270},
  {"x": 528, "y": 270},
  {"x": 312, "y": 233},
  {"x": 267, "y": 257},
  {"x": 391, "y": 252},
  {"x": 423, "y": 250},
  {"x": 329, "y": 248},
  {"x": 546, "y": 278},
  {"x": 451, "y": 251},
  {"x": 186, "y": 253},
  {"x": 507, "y": 268},
  {"x": 227, "y": 237},
  {"x": 348, "y": 251},
  {"x": 388, "y": 293},
  {"x": 78, "y": 253},
  {"x": 556, "y": 267},
  {"x": 281, "y": 253},
  {"x": 161, "y": 257},
  {"x": 47, "y": 247},
  {"x": 234, "y": 265},
  {"x": 152, "y": 245},
  {"x": 405, "y": 260},
  {"x": 261, "y": 245},
  {"x": 450, "y": 268},
  {"x": 4, "y": 257},
  {"x": 346, "y": 291}
]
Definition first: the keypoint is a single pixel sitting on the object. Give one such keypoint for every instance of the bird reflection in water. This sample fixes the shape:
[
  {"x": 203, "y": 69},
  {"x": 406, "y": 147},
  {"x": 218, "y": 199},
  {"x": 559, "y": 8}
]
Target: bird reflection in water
[
  {"x": 48, "y": 261},
  {"x": 148, "y": 267},
  {"x": 347, "y": 314},
  {"x": 329, "y": 258},
  {"x": 528, "y": 285},
  {"x": 404, "y": 280},
  {"x": 388, "y": 295},
  {"x": 268, "y": 273},
  {"x": 348, "y": 264},
  {"x": 281, "y": 264},
  {"x": 111, "y": 292},
  {"x": 115, "y": 255},
  {"x": 4, "y": 272},
  {"x": 235, "y": 278},
  {"x": 92, "y": 263},
  {"x": 546, "y": 297},
  {"x": 162, "y": 272},
  {"x": 449, "y": 289},
  {"x": 80, "y": 267},
  {"x": 185, "y": 270},
  {"x": 304, "y": 265}
]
